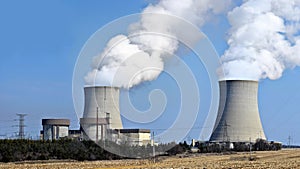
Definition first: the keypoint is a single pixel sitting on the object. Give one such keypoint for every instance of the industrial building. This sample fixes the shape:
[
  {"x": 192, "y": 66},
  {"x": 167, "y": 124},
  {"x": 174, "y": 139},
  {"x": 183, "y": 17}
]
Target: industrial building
[
  {"x": 237, "y": 120},
  {"x": 238, "y": 117},
  {"x": 101, "y": 121},
  {"x": 75, "y": 134},
  {"x": 135, "y": 137},
  {"x": 54, "y": 129}
]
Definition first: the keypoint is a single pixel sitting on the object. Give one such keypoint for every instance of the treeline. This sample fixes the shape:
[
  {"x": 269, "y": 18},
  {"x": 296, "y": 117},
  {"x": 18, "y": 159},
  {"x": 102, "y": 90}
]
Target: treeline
[
  {"x": 259, "y": 145},
  {"x": 290, "y": 146},
  {"x": 21, "y": 150}
]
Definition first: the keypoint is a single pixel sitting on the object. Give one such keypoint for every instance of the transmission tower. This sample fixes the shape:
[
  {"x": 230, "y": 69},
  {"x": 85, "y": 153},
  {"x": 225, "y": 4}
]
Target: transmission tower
[
  {"x": 225, "y": 133},
  {"x": 21, "y": 126},
  {"x": 289, "y": 142}
]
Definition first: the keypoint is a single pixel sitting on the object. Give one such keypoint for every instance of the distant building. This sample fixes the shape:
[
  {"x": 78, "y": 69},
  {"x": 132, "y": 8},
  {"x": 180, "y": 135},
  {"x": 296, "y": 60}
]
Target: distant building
[
  {"x": 54, "y": 129},
  {"x": 75, "y": 134},
  {"x": 131, "y": 137}
]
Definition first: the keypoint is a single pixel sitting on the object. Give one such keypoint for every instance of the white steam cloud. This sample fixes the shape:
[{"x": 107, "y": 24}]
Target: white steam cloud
[
  {"x": 129, "y": 60},
  {"x": 264, "y": 39}
]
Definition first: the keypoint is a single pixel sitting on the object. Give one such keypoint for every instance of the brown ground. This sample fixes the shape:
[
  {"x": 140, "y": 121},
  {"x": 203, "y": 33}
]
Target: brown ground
[{"x": 271, "y": 159}]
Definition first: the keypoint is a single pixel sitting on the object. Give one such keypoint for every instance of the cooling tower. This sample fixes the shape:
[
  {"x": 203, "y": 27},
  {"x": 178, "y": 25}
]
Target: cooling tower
[
  {"x": 101, "y": 111},
  {"x": 238, "y": 117}
]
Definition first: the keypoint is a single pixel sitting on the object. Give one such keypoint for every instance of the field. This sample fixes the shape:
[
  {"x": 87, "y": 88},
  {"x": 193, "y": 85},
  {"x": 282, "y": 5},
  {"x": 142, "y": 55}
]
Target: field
[{"x": 270, "y": 159}]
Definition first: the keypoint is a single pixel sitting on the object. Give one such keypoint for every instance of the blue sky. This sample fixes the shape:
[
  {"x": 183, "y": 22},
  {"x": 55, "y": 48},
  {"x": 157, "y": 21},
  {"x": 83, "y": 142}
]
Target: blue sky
[{"x": 40, "y": 43}]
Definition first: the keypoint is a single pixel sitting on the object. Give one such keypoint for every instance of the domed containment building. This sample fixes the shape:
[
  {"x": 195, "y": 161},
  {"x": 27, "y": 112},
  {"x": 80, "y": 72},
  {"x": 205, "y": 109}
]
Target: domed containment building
[{"x": 238, "y": 117}]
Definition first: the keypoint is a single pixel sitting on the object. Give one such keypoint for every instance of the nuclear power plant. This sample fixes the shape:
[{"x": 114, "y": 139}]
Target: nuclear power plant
[{"x": 238, "y": 118}]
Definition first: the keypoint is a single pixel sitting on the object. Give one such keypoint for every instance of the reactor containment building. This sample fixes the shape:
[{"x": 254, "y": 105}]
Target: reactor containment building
[{"x": 238, "y": 118}]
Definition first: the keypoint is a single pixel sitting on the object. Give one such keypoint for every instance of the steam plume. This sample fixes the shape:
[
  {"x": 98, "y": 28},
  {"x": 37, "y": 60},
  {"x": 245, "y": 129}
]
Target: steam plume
[
  {"x": 263, "y": 40},
  {"x": 129, "y": 60}
]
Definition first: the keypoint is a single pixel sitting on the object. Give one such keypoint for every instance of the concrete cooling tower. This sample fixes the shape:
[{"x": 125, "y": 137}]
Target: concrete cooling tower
[
  {"x": 101, "y": 111},
  {"x": 238, "y": 117}
]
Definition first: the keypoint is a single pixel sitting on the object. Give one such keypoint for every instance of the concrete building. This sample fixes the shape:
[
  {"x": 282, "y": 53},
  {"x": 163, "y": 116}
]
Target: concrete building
[
  {"x": 131, "y": 137},
  {"x": 101, "y": 112},
  {"x": 54, "y": 129},
  {"x": 75, "y": 134},
  {"x": 238, "y": 117}
]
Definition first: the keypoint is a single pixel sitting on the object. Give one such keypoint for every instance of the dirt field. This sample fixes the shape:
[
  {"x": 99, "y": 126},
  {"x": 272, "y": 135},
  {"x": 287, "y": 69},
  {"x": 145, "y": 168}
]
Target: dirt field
[{"x": 279, "y": 159}]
